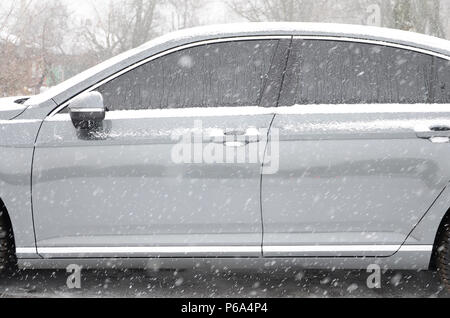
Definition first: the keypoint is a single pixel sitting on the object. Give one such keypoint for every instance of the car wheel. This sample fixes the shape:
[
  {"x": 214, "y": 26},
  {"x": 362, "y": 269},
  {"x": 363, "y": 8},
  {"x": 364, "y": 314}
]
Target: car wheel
[
  {"x": 444, "y": 256},
  {"x": 6, "y": 248}
]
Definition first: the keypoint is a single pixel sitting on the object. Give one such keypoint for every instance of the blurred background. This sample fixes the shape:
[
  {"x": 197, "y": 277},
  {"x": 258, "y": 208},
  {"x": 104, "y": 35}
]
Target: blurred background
[{"x": 44, "y": 42}]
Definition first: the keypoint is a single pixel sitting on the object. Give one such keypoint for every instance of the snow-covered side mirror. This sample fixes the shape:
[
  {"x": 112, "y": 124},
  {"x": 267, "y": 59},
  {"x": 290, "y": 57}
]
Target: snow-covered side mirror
[{"x": 87, "y": 110}]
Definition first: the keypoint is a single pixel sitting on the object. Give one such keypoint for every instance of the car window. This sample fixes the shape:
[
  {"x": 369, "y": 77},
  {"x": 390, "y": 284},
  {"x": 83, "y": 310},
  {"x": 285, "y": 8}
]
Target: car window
[
  {"x": 339, "y": 72},
  {"x": 441, "y": 93},
  {"x": 215, "y": 75}
]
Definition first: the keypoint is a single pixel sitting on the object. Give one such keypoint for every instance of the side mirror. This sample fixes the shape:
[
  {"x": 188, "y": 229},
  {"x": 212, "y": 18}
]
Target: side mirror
[{"x": 87, "y": 111}]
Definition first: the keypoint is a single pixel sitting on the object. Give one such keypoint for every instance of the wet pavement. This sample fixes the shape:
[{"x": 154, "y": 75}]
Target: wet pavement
[{"x": 235, "y": 284}]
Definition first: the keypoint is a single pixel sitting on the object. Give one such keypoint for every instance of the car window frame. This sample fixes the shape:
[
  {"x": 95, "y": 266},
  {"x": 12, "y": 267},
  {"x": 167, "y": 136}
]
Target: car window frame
[{"x": 60, "y": 109}]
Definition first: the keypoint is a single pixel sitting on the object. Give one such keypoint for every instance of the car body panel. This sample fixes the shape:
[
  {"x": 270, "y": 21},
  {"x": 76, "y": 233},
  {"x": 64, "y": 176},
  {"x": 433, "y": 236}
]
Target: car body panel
[
  {"x": 17, "y": 138},
  {"x": 10, "y": 107},
  {"x": 121, "y": 187},
  {"x": 16, "y": 153},
  {"x": 417, "y": 260},
  {"x": 415, "y": 253},
  {"x": 356, "y": 177},
  {"x": 427, "y": 229}
]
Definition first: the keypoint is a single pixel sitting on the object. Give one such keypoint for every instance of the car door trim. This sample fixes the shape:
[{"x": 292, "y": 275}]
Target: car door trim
[
  {"x": 155, "y": 251},
  {"x": 377, "y": 42},
  {"x": 177, "y": 113},
  {"x": 224, "y": 40},
  {"x": 257, "y": 110},
  {"x": 224, "y": 251},
  {"x": 25, "y": 250},
  {"x": 341, "y": 250}
]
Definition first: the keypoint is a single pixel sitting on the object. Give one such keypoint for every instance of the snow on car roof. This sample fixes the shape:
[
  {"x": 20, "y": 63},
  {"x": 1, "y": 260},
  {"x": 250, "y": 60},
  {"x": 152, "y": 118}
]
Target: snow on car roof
[
  {"x": 82, "y": 81},
  {"x": 309, "y": 29}
]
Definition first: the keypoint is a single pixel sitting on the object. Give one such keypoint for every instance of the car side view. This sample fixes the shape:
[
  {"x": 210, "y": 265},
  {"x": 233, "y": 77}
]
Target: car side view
[{"x": 357, "y": 118}]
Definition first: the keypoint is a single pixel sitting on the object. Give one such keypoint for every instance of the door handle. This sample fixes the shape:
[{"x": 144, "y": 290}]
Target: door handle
[
  {"x": 235, "y": 133},
  {"x": 235, "y": 144},
  {"x": 435, "y": 133},
  {"x": 236, "y": 138},
  {"x": 440, "y": 129}
]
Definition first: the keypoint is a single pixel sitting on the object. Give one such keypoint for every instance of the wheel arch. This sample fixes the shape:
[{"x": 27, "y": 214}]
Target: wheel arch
[
  {"x": 427, "y": 231},
  {"x": 4, "y": 216},
  {"x": 436, "y": 244}
]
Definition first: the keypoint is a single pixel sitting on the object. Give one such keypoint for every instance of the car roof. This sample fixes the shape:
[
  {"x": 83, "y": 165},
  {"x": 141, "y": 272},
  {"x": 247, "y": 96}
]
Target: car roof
[
  {"x": 63, "y": 92},
  {"x": 310, "y": 29}
]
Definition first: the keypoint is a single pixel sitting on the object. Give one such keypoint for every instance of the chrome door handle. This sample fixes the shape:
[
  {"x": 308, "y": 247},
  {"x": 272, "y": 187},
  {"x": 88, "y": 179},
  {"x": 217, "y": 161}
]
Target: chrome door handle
[
  {"x": 435, "y": 133},
  {"x": 440, "y": 140},
  {"x": 236, "y": 138},
  {"x": 440, "y": 128},
  {"x": 235, "y": 133},
  {"x": 235, "y": 144}
]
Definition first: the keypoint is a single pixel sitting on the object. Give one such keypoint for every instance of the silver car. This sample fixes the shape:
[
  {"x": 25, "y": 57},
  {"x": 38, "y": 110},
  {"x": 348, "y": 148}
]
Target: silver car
[{"x": 356, "y": 121}]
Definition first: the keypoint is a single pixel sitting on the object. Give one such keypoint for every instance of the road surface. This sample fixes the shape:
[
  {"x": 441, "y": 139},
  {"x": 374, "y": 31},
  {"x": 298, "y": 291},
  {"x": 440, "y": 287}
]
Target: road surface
[{"x": 237, "y": 284}]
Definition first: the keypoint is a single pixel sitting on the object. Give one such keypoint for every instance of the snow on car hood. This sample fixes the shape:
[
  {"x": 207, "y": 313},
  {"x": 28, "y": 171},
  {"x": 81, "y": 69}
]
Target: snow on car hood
[{"x": 11, "y": 107}]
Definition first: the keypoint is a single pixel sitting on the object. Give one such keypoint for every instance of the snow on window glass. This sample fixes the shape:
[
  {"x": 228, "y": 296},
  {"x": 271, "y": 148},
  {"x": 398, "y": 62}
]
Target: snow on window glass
[
  {"x": 216, "y": 75},
  {"x": 442, "y": 88},
  {"x": 338, "y": 72}
]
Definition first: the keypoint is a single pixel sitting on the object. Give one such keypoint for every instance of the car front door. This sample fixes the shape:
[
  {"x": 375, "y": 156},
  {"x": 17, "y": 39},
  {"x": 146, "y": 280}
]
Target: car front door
[
  {"x": 364, "y": 149},
  {"x": 171, "y": 171}
]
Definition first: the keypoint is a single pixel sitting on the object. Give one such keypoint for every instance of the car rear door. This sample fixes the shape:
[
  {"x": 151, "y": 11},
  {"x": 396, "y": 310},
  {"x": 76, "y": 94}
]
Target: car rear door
[
  {"x": 364, "y": 145},
  {"x": 171, "y": 172}
]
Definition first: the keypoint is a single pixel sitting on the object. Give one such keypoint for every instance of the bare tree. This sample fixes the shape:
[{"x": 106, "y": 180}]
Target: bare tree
[
  {"x": 403, "y": 15},
  {"x": 413, "y": 15},
  {"x": 5, "y": 15},
  {"x": 185, "y": 13},
  {"x": 33, "y": 40},
  {"x": 271, "y": 10},
  {"x": 35, "y": 35},
  {"x": 126, "y": 24},
  {"x": 299, "y": 10},
  {"x": 427, "y": 17},
  {"x": 41, "y": 29}
]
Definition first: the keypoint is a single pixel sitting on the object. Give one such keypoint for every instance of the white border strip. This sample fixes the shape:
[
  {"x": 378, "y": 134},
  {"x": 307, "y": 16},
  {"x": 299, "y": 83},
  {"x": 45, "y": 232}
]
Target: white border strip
[
  {"x": 187, "y": 250},
  {"x": 25, "y": 250},
  {"x": 348, "y": 248},
  {"x": 20, "y": 121},
  {"x": 177, "y": 113},
  {"x": 416, "y": 248},
  {"x": 150, "y": 250},
  {"x": 256, "y": 110},
  {"x": 331, "y": 248},
  {"x": 377, "y": 42}
]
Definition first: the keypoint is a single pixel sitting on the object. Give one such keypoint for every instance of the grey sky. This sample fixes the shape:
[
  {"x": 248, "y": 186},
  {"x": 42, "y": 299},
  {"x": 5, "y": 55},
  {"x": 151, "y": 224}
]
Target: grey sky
[{"x": 215, "y": 11}]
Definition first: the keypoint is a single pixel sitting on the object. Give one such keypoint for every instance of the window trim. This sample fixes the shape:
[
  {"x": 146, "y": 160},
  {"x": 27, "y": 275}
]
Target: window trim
[
  {"x": 248, "y": 38},
  {"x": 162, "y": 54},
  {"x": 376, "y": 42}
]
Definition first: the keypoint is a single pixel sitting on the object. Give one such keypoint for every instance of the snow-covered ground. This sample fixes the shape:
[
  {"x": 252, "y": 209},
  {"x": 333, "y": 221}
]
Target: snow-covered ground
[{"x": 45, "y": 283}]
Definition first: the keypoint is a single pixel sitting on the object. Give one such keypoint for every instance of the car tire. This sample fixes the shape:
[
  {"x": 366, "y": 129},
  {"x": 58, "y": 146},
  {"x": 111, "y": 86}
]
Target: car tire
[
  {"x": 443, "y": 257},
  {"x": 7, "y": 259}
]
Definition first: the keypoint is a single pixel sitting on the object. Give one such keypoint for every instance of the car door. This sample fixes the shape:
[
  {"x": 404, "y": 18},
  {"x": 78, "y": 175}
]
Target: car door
[
  {"x": 171, "y": 171},
  {"x": 363, "y": 136}
]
